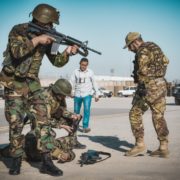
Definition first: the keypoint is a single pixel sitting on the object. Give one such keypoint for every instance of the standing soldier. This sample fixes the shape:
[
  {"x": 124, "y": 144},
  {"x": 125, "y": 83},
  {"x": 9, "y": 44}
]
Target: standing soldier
[
  {"x": 150, "y": 66},
  {"x": 23, "y": 57}
]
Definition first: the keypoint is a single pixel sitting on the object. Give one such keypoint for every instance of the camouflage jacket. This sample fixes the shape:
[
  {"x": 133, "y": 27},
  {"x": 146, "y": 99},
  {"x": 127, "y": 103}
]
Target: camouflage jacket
[
  {"x": 23, "y": 60},
  {"x": 150, "y": 63},
  {"x": 150, "y": 68},
  {"x": 56, "y": 109}
]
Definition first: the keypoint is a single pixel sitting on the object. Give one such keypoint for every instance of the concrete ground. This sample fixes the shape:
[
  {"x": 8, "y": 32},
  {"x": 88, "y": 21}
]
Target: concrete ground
[{"x": 111, "y": 132}]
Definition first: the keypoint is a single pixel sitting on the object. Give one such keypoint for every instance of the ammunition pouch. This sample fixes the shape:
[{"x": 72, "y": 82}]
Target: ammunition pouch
[
  {"x": 23, "y": 68},
  {"x": 10, "y": 65}
]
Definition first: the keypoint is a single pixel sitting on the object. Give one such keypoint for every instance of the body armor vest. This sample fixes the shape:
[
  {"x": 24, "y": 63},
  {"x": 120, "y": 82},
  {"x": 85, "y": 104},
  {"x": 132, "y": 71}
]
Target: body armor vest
[
  {"x": 27, "y": 66},
  {"x": 157, "y": 61}
]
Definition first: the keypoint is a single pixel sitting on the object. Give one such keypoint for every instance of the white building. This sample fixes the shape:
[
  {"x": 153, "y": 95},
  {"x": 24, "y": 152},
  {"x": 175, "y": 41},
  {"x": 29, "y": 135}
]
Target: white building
[{"x": 113, "y": 83}]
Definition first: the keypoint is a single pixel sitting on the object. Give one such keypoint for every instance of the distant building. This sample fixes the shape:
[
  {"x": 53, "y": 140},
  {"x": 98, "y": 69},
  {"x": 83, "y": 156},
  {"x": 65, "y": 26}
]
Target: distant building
[
  {"x": 113, "y": 83},
  {"x": 45, "y": 82}
]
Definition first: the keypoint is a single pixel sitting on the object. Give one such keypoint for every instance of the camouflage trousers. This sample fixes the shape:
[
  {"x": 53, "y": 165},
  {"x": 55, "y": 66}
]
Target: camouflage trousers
[
  {"x": 65, "y": 143},
  {"x": 155, "y": 100},
  {"x": 62, "y": 147},
  {"x": 15, "y": 109},
  {"x": 63, "y": 151}
]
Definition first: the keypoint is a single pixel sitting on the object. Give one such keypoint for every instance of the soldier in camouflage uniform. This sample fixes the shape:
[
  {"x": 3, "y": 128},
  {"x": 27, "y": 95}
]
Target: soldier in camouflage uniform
[
  {"x": 58, "y": 114},
  {"x": 150, "y": 66},
  {"x": 23, "y": 57},
  {"x": 59, "y": 117}
]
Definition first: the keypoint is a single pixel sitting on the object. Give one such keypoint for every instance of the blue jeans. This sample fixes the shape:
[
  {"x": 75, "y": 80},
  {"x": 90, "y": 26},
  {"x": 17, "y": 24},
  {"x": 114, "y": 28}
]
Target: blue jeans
[{"x": 87, "y": 107}]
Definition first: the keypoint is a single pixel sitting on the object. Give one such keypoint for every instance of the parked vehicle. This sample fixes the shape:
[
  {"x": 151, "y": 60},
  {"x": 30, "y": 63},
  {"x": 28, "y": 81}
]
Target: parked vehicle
[
  {"x": 127, "y": 91},
  {"x": 105, "y": 93},
  {"x": 176, "y": 94}
]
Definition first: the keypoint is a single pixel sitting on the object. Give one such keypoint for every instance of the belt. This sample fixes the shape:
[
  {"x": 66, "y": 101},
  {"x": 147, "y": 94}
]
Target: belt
[
  {"x": 20, "y": 79},
  {"x": 157, "y": 79},
  {"x": 16, "y": 78}
]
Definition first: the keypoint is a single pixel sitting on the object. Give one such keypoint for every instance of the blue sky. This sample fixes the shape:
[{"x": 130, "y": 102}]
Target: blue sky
[{"x": 104, "y": 23}]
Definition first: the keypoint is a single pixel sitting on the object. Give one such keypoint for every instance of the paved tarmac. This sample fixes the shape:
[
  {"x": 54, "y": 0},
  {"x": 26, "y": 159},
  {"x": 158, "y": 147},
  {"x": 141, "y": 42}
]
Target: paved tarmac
[{"x": 111, "y": 132}]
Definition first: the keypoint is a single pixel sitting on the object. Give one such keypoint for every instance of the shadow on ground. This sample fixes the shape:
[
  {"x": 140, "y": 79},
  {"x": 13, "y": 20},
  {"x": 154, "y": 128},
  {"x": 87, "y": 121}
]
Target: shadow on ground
[
  {"x": 112, "y": 142},
  {"x": 7, "y": 160}
]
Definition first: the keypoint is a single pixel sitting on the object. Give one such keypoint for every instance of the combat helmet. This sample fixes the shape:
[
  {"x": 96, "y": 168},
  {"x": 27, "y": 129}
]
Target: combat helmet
[
  {"x": 45, "y": 13},
  {"x": 131, "y": 36},
  {"x": 62, "y": 86}
]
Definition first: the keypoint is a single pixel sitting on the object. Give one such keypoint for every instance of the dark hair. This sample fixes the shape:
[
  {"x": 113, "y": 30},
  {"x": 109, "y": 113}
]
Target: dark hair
[{"x": 84, "y": 60}]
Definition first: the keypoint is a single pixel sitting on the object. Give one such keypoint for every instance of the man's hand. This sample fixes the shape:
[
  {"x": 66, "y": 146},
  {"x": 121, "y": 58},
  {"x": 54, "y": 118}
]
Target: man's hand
[
  {"x": 42, "y": 39},
  {"x": 72, "y": 50},
  {"x": 67, "y": 128},
  {"x": 76, "y": 116}
]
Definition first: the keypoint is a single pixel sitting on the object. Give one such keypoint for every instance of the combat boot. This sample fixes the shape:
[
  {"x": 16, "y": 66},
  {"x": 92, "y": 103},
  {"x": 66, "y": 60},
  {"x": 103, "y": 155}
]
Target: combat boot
[
  {"x": 138, "y": 149},
  {"x": 78, "y": 145},
  {"x": 48, "y": 167},
  {"x": 16, "y": 166},
  {"x": 162, "y": 151}
]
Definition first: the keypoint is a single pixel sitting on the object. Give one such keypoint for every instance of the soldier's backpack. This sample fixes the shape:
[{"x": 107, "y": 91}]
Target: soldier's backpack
[
  {"x": 159, "y": 61},
  {"x": 93, "y": 156}
]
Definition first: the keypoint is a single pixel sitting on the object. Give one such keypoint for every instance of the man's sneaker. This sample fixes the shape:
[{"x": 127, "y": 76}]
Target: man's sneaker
[
  {"x": 86, "y": 130},
  {"x": 78, "y": 145}
]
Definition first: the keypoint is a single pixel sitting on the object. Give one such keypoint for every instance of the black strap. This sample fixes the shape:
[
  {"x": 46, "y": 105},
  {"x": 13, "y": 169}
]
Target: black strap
[{"x": 104, "y": 153}]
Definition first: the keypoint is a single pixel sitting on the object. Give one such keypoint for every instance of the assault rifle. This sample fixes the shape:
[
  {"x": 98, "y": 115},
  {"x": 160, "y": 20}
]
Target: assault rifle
[
  {"x": 93, "y": 156},
  {"x": 61, "y": 39}
]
